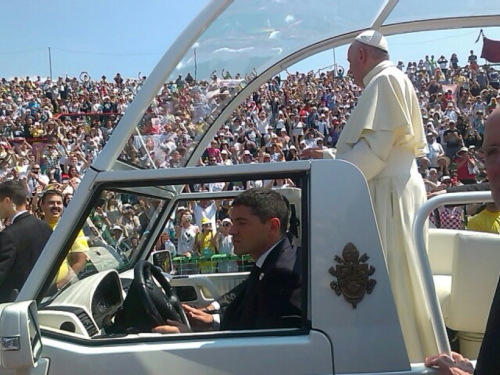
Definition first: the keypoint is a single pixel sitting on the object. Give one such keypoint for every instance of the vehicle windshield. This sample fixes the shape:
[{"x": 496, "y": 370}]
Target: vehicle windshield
[{"x": 185, "y": 237}]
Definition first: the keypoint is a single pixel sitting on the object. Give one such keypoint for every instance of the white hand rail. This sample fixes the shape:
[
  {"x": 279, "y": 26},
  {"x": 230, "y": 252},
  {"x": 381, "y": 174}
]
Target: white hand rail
[{"x": 423, "y": 260}]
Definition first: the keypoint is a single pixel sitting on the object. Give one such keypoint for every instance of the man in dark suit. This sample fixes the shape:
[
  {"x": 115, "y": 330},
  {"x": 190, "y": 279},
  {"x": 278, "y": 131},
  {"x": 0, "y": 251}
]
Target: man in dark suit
[
  {"x": 21, "y": 243},
  {"x": 271, "y": 296},
  {"x": 488, "y": 362}
]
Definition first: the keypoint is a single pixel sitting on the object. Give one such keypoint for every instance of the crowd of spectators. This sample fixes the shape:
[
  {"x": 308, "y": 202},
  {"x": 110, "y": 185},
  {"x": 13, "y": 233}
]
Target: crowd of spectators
[
  {"x": 41, "y": 144},
  {"x": 52, "y": 130}
]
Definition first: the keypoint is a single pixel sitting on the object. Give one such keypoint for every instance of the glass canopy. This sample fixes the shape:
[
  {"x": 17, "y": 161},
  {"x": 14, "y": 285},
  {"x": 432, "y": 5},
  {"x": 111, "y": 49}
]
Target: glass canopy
[
  {"x": 252, "y": 35},
  {"x": 244, "y": 45}
]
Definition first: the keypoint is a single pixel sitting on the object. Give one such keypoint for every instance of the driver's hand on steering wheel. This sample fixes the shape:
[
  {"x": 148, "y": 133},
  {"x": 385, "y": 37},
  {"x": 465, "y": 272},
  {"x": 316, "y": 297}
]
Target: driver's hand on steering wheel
[{"x": 172, "y": 327}]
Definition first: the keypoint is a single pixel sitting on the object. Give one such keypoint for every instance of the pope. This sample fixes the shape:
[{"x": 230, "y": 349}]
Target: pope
[{"x": 383, "y": 138}]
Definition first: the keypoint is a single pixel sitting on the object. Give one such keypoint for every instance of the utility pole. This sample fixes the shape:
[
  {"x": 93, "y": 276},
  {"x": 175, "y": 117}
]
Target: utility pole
[
  {"x": 334, "y": 64},
  {"x": 195, "y": 65},
  {"x": 50, "y": 64}
]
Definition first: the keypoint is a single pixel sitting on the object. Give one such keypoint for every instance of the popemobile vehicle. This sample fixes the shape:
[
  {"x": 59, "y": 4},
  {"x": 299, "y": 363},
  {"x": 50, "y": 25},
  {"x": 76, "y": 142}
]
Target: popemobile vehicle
[{"x": 101, "y": 321}]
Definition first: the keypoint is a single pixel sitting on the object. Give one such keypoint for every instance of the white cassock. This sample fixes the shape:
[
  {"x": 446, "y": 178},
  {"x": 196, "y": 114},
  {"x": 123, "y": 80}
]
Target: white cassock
[{"x": 383, "y": 137}]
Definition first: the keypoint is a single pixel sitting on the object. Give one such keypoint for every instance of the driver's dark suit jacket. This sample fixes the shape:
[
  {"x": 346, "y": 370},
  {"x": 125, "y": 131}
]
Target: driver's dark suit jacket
[
  {"x": 270, "y": 297},
  {"x": 21, "y": 243}
]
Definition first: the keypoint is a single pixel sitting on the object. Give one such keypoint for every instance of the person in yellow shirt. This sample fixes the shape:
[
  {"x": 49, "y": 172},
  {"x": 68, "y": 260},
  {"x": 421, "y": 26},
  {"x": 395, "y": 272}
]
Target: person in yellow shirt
[
  {"x": 487, "y": 220},
  {"x": 52, "y": 207},
  {"x": 459, "y": 80},
  {"x": 205, "y": 245}
]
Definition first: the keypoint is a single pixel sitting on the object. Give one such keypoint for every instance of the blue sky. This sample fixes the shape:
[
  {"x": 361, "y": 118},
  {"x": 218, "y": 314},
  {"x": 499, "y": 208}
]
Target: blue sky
[{"x": 127, "y": 36}]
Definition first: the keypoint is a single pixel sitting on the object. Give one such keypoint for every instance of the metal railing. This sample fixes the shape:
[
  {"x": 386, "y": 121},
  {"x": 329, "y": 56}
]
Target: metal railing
[{"x": 423, "y": 260}]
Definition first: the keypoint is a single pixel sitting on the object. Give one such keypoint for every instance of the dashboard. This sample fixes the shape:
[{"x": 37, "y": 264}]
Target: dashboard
[{"x": 86, "y": 307}]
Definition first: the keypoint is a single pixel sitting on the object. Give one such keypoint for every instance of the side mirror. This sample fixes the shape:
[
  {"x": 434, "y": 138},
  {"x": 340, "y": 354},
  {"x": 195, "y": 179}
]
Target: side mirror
[{"x": 20, "y": 337}]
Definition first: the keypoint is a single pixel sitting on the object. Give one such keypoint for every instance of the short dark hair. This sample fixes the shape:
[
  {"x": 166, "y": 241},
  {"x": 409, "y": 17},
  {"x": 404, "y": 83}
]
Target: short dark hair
[
  {"x": 49, "y": 193},
  {"x": 265, "y": 204},
  {"x": 15, "y": 190}
]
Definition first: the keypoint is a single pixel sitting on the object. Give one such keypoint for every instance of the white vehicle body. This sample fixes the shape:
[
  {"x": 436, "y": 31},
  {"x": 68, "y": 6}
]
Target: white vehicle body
[{"x": 66, "y": 334}]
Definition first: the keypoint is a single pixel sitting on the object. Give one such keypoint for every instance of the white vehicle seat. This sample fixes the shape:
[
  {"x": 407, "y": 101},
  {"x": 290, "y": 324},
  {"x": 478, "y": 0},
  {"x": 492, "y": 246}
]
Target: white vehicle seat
[
  {"x": 475, "y": 272},
  {"x": 440, "y": 251},
  {"x": 466, "y": 267}
]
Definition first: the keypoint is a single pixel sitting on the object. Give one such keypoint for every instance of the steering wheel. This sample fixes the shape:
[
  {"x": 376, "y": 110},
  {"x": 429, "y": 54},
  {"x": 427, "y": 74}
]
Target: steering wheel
[
  {"x": 159, "y": 305},
  {"x": 147, "y": 305}
]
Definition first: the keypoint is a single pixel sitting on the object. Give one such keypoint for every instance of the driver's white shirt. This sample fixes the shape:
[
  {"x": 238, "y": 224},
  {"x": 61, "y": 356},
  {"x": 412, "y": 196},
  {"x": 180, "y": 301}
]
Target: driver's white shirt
[{"x": 260, "y": 262}]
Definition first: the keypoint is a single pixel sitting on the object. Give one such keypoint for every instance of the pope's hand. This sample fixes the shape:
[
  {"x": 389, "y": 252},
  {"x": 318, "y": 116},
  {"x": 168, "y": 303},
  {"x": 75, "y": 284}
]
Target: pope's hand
[
  {"x": 312, "y": 153},
  {"x": 436, "y": 193}
]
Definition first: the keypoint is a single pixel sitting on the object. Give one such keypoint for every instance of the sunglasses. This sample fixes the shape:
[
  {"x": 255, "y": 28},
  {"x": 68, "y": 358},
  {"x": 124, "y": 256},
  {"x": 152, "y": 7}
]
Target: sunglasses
[{"x": 226, "y": 225}]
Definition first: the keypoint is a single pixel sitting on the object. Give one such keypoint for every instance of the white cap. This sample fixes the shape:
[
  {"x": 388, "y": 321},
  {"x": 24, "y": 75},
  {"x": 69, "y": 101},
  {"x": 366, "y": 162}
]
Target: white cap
[{"x": 373, "y": 38}]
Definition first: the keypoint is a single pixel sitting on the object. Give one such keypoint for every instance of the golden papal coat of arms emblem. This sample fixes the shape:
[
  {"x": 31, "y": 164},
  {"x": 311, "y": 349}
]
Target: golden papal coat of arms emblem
[{"x": 352, "y": 275}]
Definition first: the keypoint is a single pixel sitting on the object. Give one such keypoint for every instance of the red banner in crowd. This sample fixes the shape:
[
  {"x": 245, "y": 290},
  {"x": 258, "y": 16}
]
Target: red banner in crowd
[{"x": 491, "y": 50}]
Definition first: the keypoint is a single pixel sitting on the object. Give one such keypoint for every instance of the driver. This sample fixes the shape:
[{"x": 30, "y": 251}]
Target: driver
[{"x": 270, "y": 297}]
